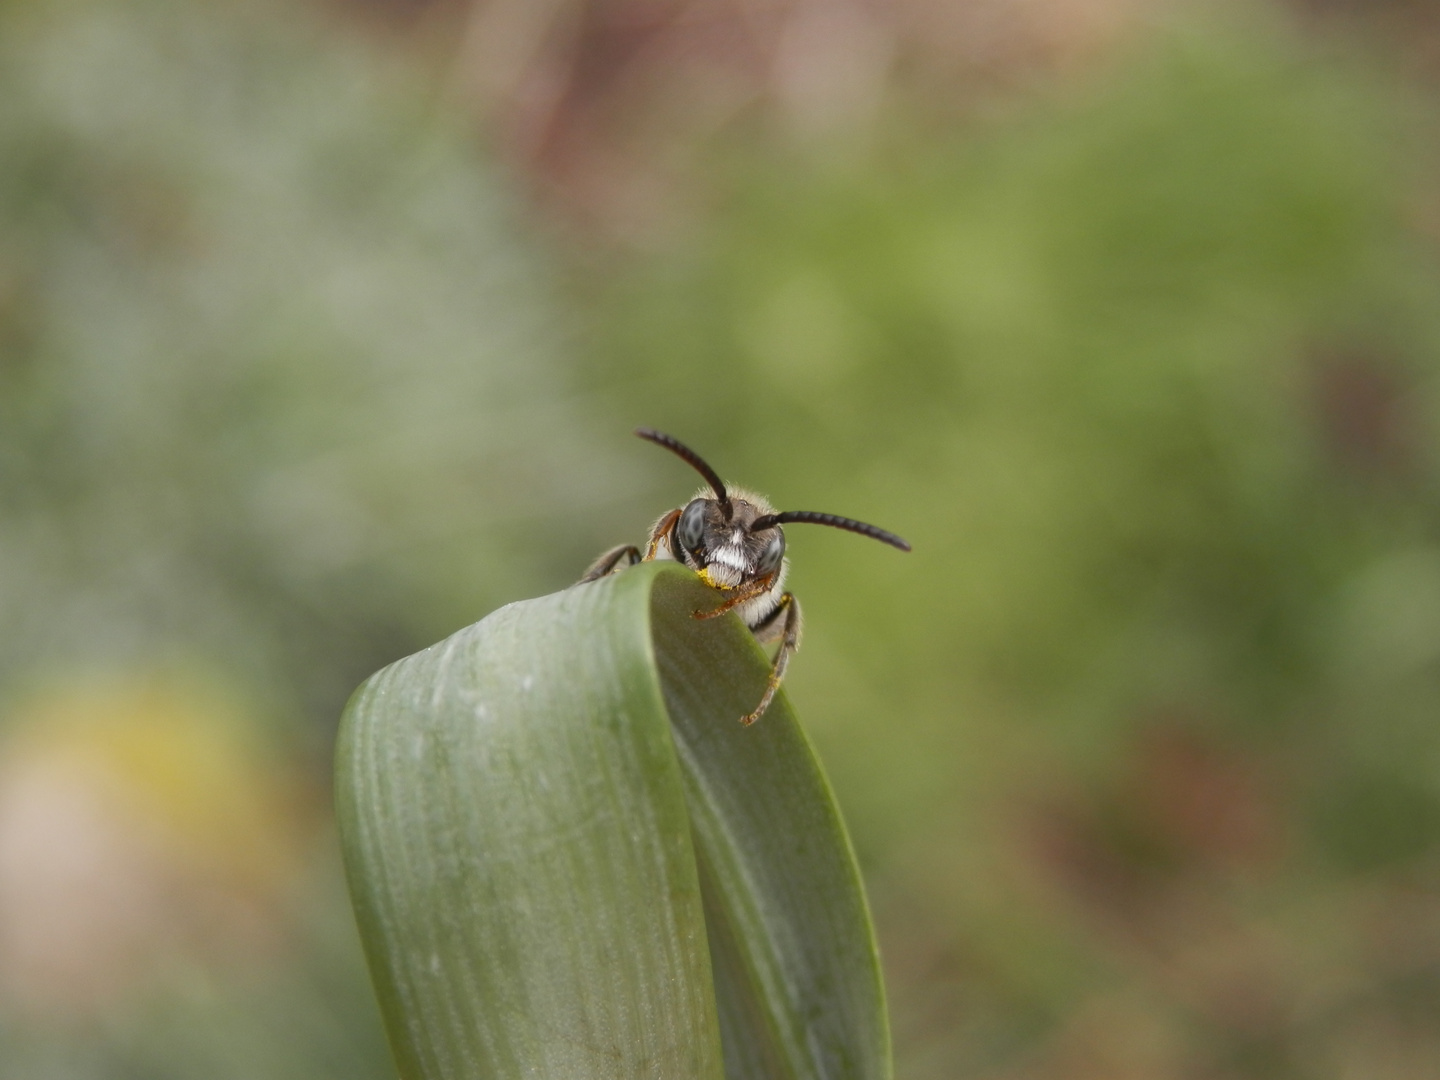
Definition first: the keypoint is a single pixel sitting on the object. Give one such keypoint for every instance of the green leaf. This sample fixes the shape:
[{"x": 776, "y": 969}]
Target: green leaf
[{"x": 569, "y": 859}]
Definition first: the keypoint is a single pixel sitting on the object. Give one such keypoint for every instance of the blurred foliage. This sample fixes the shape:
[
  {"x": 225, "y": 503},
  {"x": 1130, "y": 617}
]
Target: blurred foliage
[
  {"x": 1138, "y": 745},
  {"x": 274, "y": 353}
]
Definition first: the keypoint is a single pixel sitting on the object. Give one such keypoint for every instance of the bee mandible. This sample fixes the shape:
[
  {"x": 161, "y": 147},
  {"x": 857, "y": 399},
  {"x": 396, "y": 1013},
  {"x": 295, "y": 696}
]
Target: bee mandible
[{"x": 732, "y": 538}]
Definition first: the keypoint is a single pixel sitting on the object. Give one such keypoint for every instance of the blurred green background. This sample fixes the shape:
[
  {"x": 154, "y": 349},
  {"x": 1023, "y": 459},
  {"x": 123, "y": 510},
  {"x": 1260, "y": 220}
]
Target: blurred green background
[{"x": 323, "y": 328}]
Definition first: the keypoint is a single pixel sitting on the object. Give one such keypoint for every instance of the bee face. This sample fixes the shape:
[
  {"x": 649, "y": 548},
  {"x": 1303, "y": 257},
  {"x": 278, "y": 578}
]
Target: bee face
[{"x": 725, "y": 548}]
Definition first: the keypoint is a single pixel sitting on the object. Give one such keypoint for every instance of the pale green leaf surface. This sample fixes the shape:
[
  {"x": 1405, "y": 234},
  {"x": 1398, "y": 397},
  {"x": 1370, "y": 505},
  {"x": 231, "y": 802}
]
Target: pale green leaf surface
[{"x": 554, "y": 826}]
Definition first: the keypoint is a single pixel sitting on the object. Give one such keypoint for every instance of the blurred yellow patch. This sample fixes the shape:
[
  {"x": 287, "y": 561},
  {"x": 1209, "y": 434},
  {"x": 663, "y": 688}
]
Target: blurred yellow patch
[{"x": 142, "y": 824}]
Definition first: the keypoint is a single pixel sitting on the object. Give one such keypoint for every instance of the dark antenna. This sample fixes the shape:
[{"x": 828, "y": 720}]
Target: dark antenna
[
  {"x": 812, "y": 517},
  {"x": 675, "y": 446}
]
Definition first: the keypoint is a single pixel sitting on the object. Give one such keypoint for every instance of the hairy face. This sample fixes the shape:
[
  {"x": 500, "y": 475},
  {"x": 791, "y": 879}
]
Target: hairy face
[{"x": 725, "y": 550}]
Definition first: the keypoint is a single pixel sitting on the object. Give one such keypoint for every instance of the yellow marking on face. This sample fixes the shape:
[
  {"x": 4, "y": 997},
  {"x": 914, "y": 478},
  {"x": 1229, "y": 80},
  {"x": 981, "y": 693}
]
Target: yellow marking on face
[{"x": 708, "y": 580}]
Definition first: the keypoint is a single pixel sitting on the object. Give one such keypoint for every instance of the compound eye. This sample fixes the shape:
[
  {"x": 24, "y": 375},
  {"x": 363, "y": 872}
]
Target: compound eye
[
  {"x": 690, "y": 529},
  {"x": 769, "y": 560}
]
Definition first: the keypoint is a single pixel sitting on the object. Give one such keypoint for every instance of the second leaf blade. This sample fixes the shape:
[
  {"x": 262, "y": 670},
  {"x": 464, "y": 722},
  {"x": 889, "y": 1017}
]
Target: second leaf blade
[{"x": 797, "y": 973}]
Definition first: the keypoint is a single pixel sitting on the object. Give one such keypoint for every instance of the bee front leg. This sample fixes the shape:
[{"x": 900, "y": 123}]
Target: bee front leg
[
  {"x": 788, "y": 630},
  {"x": 740, "y": 596},
  {"x": 662, "y": 531},
  {"x": 606, "y": 563}
]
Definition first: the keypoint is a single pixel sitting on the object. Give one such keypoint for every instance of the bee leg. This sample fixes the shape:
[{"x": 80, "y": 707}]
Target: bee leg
[
  {"x": 606, "y": 563},
  {"x": 661, "y": 530},
  {"x": 789, "y": 634},
  {"x": 738, "y": 597}
]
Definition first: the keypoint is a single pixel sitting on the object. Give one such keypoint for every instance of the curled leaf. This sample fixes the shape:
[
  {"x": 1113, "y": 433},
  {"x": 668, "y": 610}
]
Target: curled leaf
[{"x": 569, "y": 860}]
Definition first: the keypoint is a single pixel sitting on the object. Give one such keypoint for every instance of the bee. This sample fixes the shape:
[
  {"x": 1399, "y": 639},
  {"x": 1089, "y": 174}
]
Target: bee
[{"x": 733, "y": 540}]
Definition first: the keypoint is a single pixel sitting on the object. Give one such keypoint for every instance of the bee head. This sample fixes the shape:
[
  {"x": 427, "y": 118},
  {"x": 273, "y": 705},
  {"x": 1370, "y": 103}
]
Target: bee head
[
  {"x": 722, "y": 543},
  {"x": 732, "y": 539}
]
